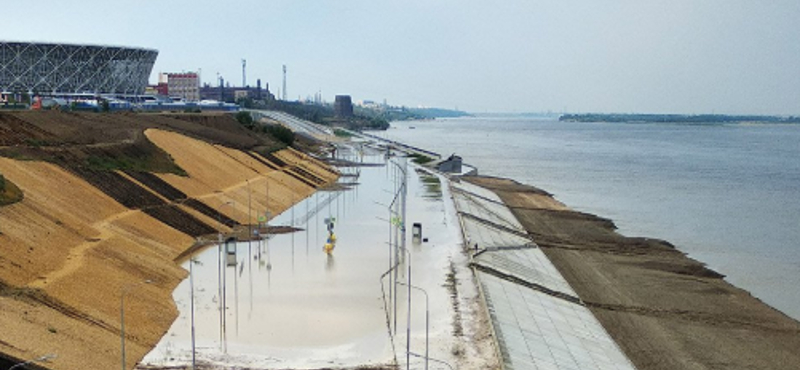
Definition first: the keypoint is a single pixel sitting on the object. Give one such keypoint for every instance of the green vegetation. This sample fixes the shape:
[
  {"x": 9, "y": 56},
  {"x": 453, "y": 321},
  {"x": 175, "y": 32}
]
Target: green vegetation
[
  {"x": 281, "y": 133},
  {"x": 111, "y": 164},
  {"x": 245, "y": 119},
  {"x": 16, "y": 153},
  {"x": 324, "y": 114},
  {"x": 36, "y": 142},
  {"x": 342, "y": 133},
  {"x": 143, "y": 157},
  {"x": 9, "y": 192},
  {"x": 674, "y": 118},
  {"x": 377, "y": 123},
  {"x": 433, "y": 187},
  {"x": 389, "y": 113},
  {"x": 420, "y": 159}
]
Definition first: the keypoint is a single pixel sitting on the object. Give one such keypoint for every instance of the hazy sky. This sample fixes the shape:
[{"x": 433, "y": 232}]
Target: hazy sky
[{"x": 672, "y": 56}]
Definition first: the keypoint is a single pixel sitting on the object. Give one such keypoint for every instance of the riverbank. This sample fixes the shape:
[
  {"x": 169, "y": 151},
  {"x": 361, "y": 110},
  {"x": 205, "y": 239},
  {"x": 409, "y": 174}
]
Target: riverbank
[
  {"x": 664, "y": 309},
  {"x": 724, "y": 194}
]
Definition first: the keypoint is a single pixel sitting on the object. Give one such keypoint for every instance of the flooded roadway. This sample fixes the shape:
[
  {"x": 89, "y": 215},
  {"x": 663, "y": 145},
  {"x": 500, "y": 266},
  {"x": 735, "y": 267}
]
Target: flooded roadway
[{"x": 291, "y": 305}]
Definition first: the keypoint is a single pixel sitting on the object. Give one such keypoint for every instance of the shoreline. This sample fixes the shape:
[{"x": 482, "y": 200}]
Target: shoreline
[
  {"x": 652, "y": 298},
  {"x": 702, "y": 188}
]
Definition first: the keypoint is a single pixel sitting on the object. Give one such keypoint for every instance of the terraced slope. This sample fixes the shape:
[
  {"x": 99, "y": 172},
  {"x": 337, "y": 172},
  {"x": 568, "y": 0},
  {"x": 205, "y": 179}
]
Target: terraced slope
[{"x": 83, "y": 234}]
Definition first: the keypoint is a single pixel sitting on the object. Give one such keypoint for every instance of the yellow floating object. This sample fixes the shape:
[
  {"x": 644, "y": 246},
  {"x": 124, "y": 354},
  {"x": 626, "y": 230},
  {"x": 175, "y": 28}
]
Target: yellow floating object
[
  {"x": 332, "y": 238},
  {"x": 328, "y": 248}
]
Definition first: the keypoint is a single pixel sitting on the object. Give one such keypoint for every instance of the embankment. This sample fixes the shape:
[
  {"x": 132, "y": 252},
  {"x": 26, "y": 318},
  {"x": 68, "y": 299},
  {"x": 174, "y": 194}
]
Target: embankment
[
  {"x": 664, "y": 309},
  {"x": 94, "y": 223}
]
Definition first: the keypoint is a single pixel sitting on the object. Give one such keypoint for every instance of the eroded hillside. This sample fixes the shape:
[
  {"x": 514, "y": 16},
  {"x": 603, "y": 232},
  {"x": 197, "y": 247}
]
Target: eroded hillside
[{"x": 110, "y": 201}]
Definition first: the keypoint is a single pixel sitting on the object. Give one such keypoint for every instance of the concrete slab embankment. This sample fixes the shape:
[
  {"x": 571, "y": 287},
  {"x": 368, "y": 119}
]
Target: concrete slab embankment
[
  {"x": 537, "y": 318},
  {"x": 664, "y": 309}
]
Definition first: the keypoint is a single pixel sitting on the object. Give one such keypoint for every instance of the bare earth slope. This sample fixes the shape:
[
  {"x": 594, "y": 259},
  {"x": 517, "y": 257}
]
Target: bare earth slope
[
  {"x": 82, "y": 235},
  {"x": 664, "y": 309}
]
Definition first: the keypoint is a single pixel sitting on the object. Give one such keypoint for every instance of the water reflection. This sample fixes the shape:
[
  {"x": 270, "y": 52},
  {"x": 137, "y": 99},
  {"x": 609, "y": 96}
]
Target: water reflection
[
  {"x": 330, "y": 263},
  {"x": 257, "y": 303}
]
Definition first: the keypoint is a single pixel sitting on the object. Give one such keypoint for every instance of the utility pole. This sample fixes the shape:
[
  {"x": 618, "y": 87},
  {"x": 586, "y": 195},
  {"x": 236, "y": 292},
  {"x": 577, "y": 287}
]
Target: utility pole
[
  {"x": 244, "y": 73},
  {"x": 284, "y": 83}
]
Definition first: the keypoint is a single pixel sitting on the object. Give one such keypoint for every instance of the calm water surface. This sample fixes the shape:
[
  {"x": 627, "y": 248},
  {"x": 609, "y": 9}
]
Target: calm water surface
[{"x": 728, "y": 195}]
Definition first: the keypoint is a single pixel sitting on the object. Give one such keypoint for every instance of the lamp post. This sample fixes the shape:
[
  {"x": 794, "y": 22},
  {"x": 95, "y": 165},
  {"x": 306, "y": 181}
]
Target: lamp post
[
  {"x": 220, "y": 283},
  {"x": 125, "y": 290},
  {"x": 427, "y": 316},
  {"x": 191, "y": 289},
  {"x": 44, "y": 358},
  {"x": 445, "y": 363}
]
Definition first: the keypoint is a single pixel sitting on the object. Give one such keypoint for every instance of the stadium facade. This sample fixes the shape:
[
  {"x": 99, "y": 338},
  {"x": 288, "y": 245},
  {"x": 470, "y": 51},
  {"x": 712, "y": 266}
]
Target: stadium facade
[{"x": 63, "y": 69}]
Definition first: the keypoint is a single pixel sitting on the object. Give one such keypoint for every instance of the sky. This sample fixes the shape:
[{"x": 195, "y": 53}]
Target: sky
[{"x": 624, "y": 56}]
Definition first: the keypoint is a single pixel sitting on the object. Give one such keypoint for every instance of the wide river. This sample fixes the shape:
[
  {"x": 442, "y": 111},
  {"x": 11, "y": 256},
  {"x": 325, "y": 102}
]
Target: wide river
[{"x": 728, "y": 195}]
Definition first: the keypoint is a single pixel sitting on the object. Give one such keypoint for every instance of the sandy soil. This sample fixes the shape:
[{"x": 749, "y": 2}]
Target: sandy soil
[
  {"x": 69, "y": 250},
  {"x": 665, "y": 310},
  {"x": 237, "y": 177}
]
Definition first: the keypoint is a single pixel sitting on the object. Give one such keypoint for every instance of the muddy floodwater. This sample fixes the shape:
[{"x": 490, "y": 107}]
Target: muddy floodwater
[{"x": 288, "y": 304}]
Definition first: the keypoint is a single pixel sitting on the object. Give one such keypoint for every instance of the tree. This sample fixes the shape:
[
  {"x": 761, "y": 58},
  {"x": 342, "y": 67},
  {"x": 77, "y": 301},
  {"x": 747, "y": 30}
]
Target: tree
[
  {"x": 245, "y": 119},
  {"x": 281, "y": 133}
]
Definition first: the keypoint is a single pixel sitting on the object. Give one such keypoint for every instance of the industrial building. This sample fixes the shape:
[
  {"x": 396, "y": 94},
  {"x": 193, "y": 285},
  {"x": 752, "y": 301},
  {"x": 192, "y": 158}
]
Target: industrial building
[
  {"x": 62, "y": 69},
  {"x": 343, "y": 106},
  {"x": 227, "y": 93}
]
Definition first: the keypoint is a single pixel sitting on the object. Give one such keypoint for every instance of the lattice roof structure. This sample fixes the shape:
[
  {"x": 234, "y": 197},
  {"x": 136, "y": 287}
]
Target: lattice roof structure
[{"x": 55, "y": 68}]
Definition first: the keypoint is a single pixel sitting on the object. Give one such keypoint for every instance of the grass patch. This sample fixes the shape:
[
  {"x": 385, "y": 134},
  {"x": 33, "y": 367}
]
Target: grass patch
[
  {"x": 104, "y": 163},
  {"x": 36, "y": 142},
  {"x": 342, "y": 133},
  {"x": 142, "y": 156},
  {"x": 280, "y": 133},
  {"x": 111, "y": 164},
  {"x": 419, "y": 158},
  {"x": 9, "y": 192},
  {"x": 433, "y": 186}
]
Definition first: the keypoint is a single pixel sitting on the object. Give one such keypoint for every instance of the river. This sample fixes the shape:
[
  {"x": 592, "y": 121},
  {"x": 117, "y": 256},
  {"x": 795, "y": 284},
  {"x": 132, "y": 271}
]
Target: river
[{"x": 728, "y": 195}]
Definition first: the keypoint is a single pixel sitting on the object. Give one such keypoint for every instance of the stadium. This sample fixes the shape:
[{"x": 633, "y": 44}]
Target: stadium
[{"x": 58, "y": 69}]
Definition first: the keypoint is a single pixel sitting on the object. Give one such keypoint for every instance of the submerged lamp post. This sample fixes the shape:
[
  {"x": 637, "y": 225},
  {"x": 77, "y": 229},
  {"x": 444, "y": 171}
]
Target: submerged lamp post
[
  {"x": 427, "y": 317},
  {"x": 44, "y": 358},
  {"x": 125, "y": 290},
  {"x": 191, "y": 289},
  {"x": 220, "y": 276}
]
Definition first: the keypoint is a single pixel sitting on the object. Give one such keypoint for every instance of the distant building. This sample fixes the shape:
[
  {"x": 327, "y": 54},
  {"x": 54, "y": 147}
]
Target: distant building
[
  {"x": 240, "y": 94},
  {"x": 450, "y": 165},
  {"x": 232, "y": 94},
  {"x": 183, "y": 85},
  {"x": 63, "y": 69},
  {"x": 160, "y": 89},
  {"x": 343, "y": 106}
]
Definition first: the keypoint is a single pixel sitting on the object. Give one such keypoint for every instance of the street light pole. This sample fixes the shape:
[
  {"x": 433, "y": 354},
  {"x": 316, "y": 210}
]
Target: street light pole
[
  {"x": 125, "y": 290},
  {"x": 220, "y": 282},
  {"x": 427, "y": 319},
  {"x": 191, "y": 288}
]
